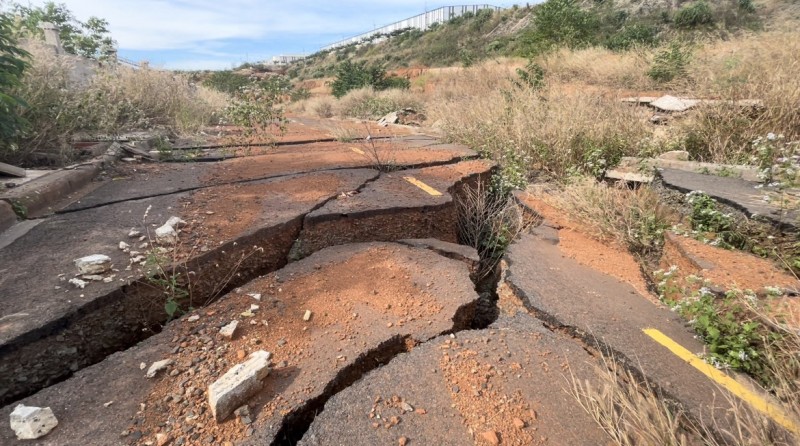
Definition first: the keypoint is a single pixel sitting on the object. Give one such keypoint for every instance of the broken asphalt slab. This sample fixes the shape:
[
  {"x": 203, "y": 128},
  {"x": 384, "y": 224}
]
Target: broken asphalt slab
[
  {"x": 369, "y": 303},
  {"x": 608, "y": 314},
  {"x": 149, "y": 180},
  {"x": 509, "y": 383},
  {"x": 49, "y": 328},
  {"x": 415, "y": 203},
  {"x": 739, "y": 194}
]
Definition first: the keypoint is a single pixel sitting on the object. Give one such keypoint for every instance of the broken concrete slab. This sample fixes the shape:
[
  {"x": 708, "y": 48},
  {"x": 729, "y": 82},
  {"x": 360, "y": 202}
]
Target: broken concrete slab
[
  {"x": 609, "y": 314},
  {"x": 13, "y": 171},
  {"x": 30, "y": 423},
  {"x": 51, "y": 192},
  {"x": 157, "y": 179},
  {"x": 238, "y": 384},
  {"x": 669, "y": 103},
  {"x": 7, "y": 216},
  {"x": 65, "y": 329},
  {"x": 158, "y": 366},
  {"x": 370, "y": 302},
  {"x": 409, "y": 204},
  {"x": 739, "y": 194},
  {"x": 627, "y": 176},
  {"x": 229, "y": 330},
  {"x": 640, "y": 100},
  {"x": 509, "y": 382},
  {"x": 646, "y": 166}
]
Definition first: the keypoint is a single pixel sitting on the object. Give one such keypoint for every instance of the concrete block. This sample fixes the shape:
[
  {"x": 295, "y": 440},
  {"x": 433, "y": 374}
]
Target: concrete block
[
  {"x": 30, "y": 423},
  {"x": 238, "y": 384}
]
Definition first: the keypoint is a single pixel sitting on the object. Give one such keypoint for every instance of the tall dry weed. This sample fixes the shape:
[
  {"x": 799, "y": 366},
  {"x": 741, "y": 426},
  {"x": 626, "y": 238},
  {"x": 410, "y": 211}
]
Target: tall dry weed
[{"x": 67, "y": 96}]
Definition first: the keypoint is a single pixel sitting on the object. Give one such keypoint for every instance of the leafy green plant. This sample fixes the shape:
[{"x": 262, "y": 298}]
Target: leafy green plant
[
  {"x": 254, "y": 108},
  {"x": 558, "y": 23},
  {"x": 90, "y": 39},
  {"x": 226, "y": 81},
  {"x": 694, "y": 15},
  {"x": 670, "y": 63},
  {"x": 352, "y": 76},
  {"x": 532, "y": 76},
  {"x": 631, "y": 36},
  {"x": 13, "y": 63}
]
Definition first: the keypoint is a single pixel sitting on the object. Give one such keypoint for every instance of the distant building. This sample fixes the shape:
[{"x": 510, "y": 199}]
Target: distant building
[{"x": 286, "y": 59}]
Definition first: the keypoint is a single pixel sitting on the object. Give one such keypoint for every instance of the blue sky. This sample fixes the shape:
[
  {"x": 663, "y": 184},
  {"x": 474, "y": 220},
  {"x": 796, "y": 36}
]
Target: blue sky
[{"x": 219, "y": 34}]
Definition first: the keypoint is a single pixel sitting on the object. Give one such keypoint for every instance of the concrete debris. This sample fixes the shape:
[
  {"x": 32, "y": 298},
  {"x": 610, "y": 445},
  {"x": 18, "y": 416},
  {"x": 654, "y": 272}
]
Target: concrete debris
[
  {"x": 93, "y": 278},
  {"x": 193, "y": 318},
  {"x": 238, "y": 384},
  {"x": 228, "y": 331},
  {"x": 166, "y": 235},
  {"x": 391, "y": 118},
  {"x": 307, "y": 316},
  {"x": 254, "y": 308},
  {"x": 256, "y": 296},
  {"x": 672, "y": 104},
  {"x": 406, "y": 407},
  {"x": 30, "y": 423},
  {"x": 134, "y": 233},
  {"x": 157, "y": 367},
  {"x": 659, "y": 119},
  {"x": 94, "y": 264},
  {"x": 641, "y": 100},
  {"x": 78, "y": 283},
  {"x": 124, "y": 246},
  {"x": 176, "y": 222}
]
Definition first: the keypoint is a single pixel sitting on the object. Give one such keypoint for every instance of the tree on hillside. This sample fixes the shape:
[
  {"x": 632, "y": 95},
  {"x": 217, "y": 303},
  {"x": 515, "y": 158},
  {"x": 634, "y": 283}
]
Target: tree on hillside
[
  {"x": 12, "y": 65},
  {"x": 88, "y": 39},
  {"x": 558, "y": 23}
]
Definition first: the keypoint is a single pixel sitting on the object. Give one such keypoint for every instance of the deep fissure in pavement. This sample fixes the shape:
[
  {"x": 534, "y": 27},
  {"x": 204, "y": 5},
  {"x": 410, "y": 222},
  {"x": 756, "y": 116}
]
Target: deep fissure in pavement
[{"x": 134, "y": 312}]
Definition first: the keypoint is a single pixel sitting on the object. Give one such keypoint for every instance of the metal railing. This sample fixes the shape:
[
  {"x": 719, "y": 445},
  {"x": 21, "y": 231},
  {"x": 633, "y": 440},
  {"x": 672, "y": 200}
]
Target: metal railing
[{"x": 421, "y": 22}]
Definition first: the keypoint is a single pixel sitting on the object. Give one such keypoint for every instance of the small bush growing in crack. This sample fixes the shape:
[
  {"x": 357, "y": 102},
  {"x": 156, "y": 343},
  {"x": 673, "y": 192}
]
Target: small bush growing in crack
[{"x": 489, "y": 223}]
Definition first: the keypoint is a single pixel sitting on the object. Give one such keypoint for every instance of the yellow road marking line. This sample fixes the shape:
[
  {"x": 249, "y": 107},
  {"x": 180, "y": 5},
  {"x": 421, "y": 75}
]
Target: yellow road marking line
[
  {"x": 733, "y": 386},
  {"x": 423, "y": 186},
  {"x": 357, "y": 150}
]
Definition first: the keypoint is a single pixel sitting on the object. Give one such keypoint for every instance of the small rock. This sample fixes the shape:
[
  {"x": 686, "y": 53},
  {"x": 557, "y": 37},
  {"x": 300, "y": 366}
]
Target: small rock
[
  {"x": 402, "y": 441},
  {"x": 124, "y": 246},
  {"x": 142, "y": 366},
  {"x": 254, "y": 308},
  {"x": 157, "y": 367},
  {"x": 30, "y": 423},
  {"x": 134, "y": 233},
  {"x": 228, "y": 330},
  {"x": 491, "y": 437},
  {"x": 175, "y": 222},
  {"x": 193, "y": 318},
  {"x": 78, "y": 283},
  {"x": 518, "y": 423},
  {"x": 307, "y": 316},
  {"x": 238, "y": 384},
  {"x": 93, "y": 278},
  {"x": 166, "y": 235},
  {"x": 281, "y": 342},
  {"x": 94, "y": 264},
  {"x": 163, "y": 439},
  {"x": 406, "y": 407},
  {"x": 256, "y": 296}
]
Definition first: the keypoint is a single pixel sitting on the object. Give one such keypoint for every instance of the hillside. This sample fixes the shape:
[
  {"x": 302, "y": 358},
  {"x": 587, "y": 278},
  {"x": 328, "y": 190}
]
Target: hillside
[{"x": 617, "y": 25}]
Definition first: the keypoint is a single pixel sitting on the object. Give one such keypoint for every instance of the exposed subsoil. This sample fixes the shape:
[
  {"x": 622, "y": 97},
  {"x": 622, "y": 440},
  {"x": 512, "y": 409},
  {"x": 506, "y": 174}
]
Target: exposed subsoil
[{"x": 344, "y": 308}]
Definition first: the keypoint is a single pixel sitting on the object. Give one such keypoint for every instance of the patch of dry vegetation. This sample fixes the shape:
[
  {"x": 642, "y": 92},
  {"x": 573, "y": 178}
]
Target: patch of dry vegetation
[{"x": 62, "y": 103}]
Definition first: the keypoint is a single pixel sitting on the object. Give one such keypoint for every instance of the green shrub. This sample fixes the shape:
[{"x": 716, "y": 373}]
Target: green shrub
[
  {"x": 226, "y": 81},
  {"x": 631, "y": 36},
  {"x": 13, "y": 62},
  {"x": 351, "y": 76},
  {"x": 558, "y": 23},
  {"x": 670, "y": 63},
  {"x": 694, "y": 15}
]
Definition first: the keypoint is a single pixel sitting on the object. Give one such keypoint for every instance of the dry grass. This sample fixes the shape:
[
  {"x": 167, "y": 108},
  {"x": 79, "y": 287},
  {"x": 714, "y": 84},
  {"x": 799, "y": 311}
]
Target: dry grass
[
  {"x": 556, "y": 130},
  {"x": 65, "y": 99},
  {"x": 761, "y": 66},
  {"x": 601, "y": 67},
  {"x": 632, "y": 219},
  {"x": 632, "y": 413}
]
